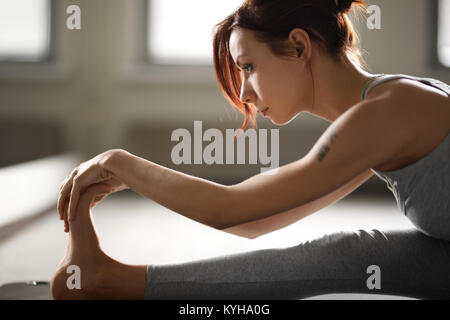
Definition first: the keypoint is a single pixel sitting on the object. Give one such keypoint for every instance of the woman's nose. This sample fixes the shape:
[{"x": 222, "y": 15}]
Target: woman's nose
[{"x": 247, "y": 94}]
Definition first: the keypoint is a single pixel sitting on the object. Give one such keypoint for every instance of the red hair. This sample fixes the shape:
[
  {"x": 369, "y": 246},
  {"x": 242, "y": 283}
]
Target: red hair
[{"x": 325, "y": 21}]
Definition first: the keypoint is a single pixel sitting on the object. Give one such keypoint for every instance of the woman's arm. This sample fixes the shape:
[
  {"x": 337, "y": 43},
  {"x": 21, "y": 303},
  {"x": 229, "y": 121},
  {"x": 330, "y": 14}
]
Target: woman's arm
[
  {"x": 354, "y": 143},
  {"x": 365, "y": 136},
  {"x": 195, "y": 198},
  {"x": 263, "y": 226}
]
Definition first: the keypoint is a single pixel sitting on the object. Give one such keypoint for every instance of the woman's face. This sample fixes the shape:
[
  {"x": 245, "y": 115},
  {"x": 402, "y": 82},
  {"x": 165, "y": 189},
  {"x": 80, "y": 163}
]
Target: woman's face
[{"x": 268, "y": 81}]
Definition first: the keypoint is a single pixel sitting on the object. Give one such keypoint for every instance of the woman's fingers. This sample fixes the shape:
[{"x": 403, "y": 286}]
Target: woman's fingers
[
  {"x": 64, "y": 193},
  {"x": 103, "y": 192},
  {"x": 60, "y": 205},
  {"x": 74, "y": 196},
  {"x": 63, "y": 197},
  {"x": 81, "y": 178},
  {"x": 66, "y": 223}
]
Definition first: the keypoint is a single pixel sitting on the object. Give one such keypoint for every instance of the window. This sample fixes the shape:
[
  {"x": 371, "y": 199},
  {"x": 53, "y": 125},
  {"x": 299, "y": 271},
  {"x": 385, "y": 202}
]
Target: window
[
  {"x": 443, "y": 36},
  {"x": 24, "y": 30},
  {"x": 180, "y": 32}
]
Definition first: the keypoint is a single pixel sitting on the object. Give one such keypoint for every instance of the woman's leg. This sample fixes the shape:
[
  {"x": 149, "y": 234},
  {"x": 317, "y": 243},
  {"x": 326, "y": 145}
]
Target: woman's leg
[
  {"x": 410, "y": 264},
  {"x": 101, "y": 276}
]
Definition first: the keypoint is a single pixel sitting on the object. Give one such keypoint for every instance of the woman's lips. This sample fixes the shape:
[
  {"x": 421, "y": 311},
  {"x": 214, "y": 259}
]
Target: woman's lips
[{"x": 264, "y": 111}]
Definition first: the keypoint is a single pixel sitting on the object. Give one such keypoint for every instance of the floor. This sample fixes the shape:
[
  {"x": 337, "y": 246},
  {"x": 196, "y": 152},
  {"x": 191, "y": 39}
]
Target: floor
[{"x": 136, "y": 230}]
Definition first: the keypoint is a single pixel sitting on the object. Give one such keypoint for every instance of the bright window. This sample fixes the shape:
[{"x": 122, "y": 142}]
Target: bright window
[
  {"x": 443, "y": 45},
  {"x": 24, "y": 30},
  {"x": 180, "y": 32}
]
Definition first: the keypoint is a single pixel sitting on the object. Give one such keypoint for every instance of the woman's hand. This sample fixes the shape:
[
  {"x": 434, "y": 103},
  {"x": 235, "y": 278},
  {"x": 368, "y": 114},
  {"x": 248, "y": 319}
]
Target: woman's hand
[{"x": 88, "y": 173}]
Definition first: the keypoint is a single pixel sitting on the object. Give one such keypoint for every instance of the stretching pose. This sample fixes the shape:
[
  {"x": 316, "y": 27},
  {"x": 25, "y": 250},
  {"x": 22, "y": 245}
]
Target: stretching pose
[{"x": 279, "y": 58}]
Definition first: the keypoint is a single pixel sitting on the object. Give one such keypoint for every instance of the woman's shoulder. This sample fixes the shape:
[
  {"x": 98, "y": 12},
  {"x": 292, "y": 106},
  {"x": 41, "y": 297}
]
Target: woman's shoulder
[
  {"x": 415, "y": 109},
  {"x": 408, "y": 87},
  {"x": 411, "y": 102}
]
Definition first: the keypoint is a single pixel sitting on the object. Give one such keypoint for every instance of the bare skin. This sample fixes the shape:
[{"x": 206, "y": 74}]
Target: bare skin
[
  {"x": 102, "y": 277},
  {"x": 315, "y": 83}
]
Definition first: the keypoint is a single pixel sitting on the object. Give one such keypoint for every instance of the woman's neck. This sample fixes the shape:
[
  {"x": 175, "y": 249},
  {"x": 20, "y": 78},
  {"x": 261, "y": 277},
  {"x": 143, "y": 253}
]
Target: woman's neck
[{"x": 337, "y": 86}]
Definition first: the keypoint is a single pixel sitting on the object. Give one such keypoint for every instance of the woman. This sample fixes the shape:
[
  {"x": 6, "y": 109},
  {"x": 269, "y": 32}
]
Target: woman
[{"x": 279, "y": 58}]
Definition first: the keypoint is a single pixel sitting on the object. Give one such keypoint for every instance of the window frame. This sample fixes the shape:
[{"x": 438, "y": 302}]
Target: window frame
[
  {"x": 43, "y": 68},
  {"x": 146, "y": 70},
  {"x": 434, "y": 59}
]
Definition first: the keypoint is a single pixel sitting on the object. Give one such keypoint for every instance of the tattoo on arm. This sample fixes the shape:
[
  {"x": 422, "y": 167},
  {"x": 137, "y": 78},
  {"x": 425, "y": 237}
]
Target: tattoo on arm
[{"x": 326, "y": 146}]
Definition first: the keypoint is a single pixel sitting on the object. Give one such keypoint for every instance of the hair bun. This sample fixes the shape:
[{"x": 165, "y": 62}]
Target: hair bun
[{"x": 344, "y": 6}]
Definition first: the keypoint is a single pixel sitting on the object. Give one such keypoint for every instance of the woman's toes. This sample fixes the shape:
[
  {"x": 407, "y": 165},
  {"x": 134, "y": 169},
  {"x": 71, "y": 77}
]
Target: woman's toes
[
  {"x": 94, "y": 191},
  {"x": 87, "y": 199}
]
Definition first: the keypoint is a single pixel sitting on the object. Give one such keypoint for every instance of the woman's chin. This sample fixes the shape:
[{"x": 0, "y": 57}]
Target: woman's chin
[
  {"x": 275, "y": 122},
  {"x": 281, "y": 122}
]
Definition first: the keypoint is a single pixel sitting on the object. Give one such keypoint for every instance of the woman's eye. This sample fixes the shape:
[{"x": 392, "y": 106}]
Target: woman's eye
[{"x": 246, "y": 67}]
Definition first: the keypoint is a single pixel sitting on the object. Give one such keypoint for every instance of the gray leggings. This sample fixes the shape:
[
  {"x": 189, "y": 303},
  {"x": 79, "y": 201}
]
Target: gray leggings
[{"x": 410, "y": 263}]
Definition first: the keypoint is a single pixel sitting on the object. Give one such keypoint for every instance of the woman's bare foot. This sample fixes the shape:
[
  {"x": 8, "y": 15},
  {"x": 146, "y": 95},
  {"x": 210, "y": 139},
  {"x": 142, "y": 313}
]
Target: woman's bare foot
[{"x": 101, "y": 277}]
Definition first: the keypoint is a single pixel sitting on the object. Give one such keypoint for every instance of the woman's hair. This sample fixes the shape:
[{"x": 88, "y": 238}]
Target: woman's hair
[{"x": 325, "y": 21}]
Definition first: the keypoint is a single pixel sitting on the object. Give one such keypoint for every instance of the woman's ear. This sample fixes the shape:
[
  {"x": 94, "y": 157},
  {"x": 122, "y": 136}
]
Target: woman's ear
[
  {"x": 299, "y": 38},
  {"x": 300, "y": 48}
]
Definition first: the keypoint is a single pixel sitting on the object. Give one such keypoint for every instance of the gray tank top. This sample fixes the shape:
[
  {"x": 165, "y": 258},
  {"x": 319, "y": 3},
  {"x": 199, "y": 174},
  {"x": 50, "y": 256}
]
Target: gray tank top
[{"x": 422, "y": 189}]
